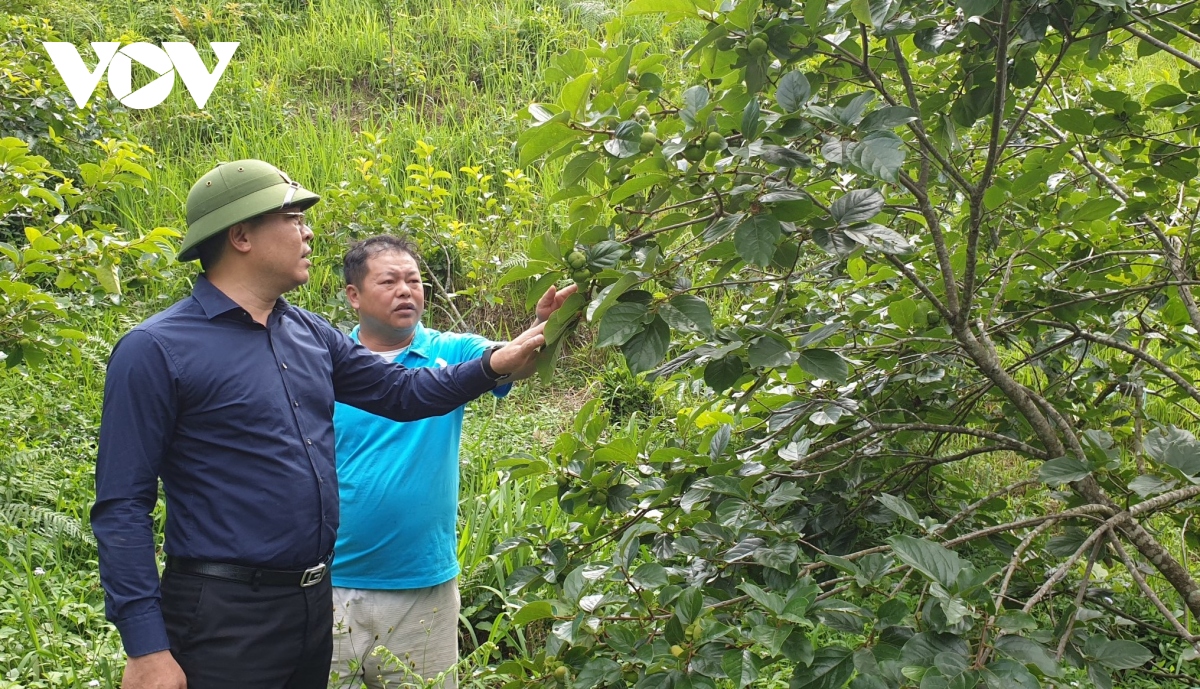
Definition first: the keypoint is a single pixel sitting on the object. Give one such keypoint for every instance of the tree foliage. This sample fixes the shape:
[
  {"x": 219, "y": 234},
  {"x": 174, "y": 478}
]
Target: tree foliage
[
  {"x": 61, "y": 169},
  {"x": 874, "y": 245}
]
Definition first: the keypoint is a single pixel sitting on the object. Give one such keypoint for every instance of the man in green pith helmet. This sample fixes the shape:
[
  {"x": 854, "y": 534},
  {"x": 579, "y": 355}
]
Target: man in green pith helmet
[{"x": 228, "y": 397}]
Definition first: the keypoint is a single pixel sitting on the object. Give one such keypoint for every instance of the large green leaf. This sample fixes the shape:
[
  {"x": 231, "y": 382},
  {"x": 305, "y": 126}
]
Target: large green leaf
[
  {"x": 931, "y": 559},
  {"x": 626, "y": 140},
  {"x": 756, "y": 238},
  {"x": 857, "y": 206},
  {"x": 531, "y": 612},
  {"x": 563, "y": 317},
  {"x": 646, "y": 349},
  {"x": 620, "y": 323},
  {"x": 696, "y": 310},
  {"x": 792, "y": 92},
  {"x": 887, "y": 118},
  {"x": 879, "y": 154},
  {"x": 824, "y": 363},
  {"x": 1063, "y": 470},
  {"x": 1074, "y": 120},
  {"x": 1123, "y": 655},
  {"x": 831, "y": 668}
]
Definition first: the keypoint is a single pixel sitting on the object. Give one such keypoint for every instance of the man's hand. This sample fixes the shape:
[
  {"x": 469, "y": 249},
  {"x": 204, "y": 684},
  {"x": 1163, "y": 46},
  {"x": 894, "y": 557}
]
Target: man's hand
[
  {"x": 154, "y": 671},
  {"x": 552, "y": 300},
  {"x": 519, "y": 357}
]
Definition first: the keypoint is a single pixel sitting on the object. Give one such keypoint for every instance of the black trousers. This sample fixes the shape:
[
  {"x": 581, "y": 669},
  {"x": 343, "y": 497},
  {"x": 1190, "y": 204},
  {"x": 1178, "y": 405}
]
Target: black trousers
[{"x": 226, "y": 634}]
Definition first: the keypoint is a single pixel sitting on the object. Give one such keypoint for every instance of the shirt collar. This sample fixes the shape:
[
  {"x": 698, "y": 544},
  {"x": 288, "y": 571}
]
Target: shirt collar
[
  {"x": 418, "y": 346},
  {"x": 215, "y": 302}
]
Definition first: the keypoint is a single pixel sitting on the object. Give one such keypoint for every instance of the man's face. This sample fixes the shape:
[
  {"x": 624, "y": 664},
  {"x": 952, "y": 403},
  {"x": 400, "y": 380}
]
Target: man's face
[
  {"x": 281, "y": 246},
  {"x": 392, "y": 297}
]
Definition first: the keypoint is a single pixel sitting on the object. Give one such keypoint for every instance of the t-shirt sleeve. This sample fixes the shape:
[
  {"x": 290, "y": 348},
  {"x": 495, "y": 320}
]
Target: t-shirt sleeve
[{"x": 472, "y": 347}]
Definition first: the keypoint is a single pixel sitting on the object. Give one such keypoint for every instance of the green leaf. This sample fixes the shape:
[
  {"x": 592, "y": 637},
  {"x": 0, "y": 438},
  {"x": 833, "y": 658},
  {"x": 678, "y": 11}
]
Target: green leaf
[
  {"x": 901, "y": 313},
  {"x": 1123, "y": 655},
  {"x": 696, "y": 310},
  {"x": 831, "y": 668},
  {"x": 1147, "y": 485},
  {"x": 694, "y": 100},
  {"x": 646, "y": 349},
  {"x": 1095, "y": 209},
  {"x": 608, "y": 296},
  {"x": 1165, "y": 96},
  {"x": 536, "y": 141},
  {"x": 879, "y": 238},
  {"x": 650, "y": 575},
  {"x": 620, "y": 323},
  {"x": 750, "y": 115},
  {"x": 823, "y": 363},
  {"x": 1074, "y": 120},
  {"x": 597, "y": 671},
  {"x": 574, "y": 95},
  {"x": 900, "y": 506},
  {"x": 633, "y": 186},
  {"x": 975, "y": 8},
  {"x": 768, "y": 351},
  {"x": 721, "y": 374},
  {"x": 531, "y": 612},
  {"x": 739, "y": 666},
  {"x": 792, "y": 92},
  {"x": 1063, "y": 470},
  {"x": 879, "y": 154},
  {"x": 887, "y": 118},
  {"x": 563, "y": 317},
  {"x": 1029, "y": 652},
  {"x": 784, "y": 157},
  {"x": 1175, "y": 448},
  {"x": 859, "y": 205},
  {"x": 107, "y": 276},
  {"x": 626, "y": 140},
  {"x": 1009, "y": 674},
  {"x": 574, "y": 170},
  {"x": 659, "y": 6},
  {"x": 755, "y": 239},
  {"x": 547, "y": 360},
  {"x": 931, "y": 559}
]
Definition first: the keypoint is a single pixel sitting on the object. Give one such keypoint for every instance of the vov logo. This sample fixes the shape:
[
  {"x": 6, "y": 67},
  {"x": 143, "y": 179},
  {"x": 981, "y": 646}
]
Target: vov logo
[{"x": 166, "y": 61}]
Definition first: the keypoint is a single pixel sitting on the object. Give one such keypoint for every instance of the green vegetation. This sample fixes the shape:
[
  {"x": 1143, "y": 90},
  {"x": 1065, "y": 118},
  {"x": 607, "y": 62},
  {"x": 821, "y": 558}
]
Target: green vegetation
[{"x": 903, "y": 302}]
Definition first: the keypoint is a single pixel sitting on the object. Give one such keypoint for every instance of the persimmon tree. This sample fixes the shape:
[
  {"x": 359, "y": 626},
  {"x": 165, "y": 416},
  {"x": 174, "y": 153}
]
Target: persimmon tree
[{"x": 877, "y": 247}]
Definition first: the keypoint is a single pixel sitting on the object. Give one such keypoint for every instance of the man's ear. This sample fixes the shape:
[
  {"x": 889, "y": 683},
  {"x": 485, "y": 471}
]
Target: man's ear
[
  {"x": 239, "y": 237},
  {"x": 352, "y": 296}
]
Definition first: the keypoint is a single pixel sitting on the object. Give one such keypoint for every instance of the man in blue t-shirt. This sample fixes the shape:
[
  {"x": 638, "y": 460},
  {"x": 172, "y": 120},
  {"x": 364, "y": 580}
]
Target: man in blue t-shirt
[{"x": 396, "y": 558}]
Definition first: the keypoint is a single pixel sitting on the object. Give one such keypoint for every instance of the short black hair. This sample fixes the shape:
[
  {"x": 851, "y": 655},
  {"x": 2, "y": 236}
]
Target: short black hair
[
  {"x": 354, "y": 265},
  {"x": 210, "y": 250}
]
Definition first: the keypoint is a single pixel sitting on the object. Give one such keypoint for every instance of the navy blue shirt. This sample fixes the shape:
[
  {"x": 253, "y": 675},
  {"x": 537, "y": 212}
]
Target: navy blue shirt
[{"x": 237, "y": 420}]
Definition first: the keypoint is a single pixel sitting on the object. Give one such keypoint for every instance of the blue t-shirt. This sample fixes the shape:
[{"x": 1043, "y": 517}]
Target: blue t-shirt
[{"x": 398, "y": 482}]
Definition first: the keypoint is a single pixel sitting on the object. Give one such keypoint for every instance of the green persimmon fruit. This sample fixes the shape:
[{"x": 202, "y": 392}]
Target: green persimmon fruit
[
  {"x": 577, "y": 260},
  {"x": 714, "y": 141},
  {"x": 694, "y": 153},
  {"x": 647, "y": 143},
  {"x": 757, "y": 47}
]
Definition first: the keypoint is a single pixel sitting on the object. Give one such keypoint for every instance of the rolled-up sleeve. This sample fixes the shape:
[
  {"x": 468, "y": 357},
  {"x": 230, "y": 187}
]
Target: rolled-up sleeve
[
  {"x": 138, "y": 418},
  {"x": 364, "y": 380}
]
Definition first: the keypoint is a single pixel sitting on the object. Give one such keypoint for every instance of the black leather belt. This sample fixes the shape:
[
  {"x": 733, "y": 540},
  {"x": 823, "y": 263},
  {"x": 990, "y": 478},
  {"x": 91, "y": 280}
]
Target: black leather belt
[{"x": 254, "y": 576}]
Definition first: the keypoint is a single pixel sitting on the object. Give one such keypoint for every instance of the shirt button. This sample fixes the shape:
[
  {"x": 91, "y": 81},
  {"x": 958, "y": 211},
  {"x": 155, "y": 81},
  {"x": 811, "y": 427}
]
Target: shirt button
[
  {"x": 284, "y": 366},
  {"x": 308, "y": 440},
  {"x": 295, "y": 403}
]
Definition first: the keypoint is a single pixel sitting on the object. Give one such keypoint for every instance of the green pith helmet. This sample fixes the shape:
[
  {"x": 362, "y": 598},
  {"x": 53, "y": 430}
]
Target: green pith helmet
[{"x": 237, "y": 191}]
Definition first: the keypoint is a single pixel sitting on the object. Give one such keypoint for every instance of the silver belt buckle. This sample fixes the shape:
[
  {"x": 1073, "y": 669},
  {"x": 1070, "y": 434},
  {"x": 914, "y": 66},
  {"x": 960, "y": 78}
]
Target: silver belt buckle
[{"x": 313, "y": 575}]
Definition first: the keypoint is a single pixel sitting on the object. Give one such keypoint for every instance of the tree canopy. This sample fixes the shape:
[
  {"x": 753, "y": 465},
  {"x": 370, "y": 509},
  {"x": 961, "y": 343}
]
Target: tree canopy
[{"x": 874, "y": 244}]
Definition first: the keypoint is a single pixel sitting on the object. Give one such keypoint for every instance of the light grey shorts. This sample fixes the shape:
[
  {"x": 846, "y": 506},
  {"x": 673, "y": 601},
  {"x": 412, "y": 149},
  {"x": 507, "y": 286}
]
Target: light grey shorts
[{"x": 419, "y": 627}]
